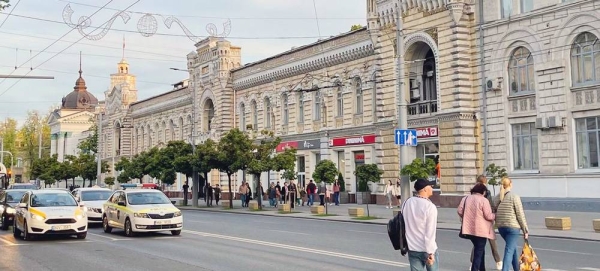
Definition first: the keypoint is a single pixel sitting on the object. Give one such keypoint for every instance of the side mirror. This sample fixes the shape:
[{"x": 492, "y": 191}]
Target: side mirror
[
  {"x": 22, "y": 205},
  {"x": 121, "y": 203},
  {"x": 78, "y": 199}
]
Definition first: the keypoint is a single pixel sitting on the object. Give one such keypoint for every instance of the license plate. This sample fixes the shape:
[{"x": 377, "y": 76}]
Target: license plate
[
  {"x": 162, "y": 222},
  {"x": 61, "y": 228}
]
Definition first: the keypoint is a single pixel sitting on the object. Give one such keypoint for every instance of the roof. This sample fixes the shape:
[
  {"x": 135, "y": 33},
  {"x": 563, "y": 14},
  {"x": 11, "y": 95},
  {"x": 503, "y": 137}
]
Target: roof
[
  {"x": 50, "y": 191},
  {"x": 79, "y": 98}
]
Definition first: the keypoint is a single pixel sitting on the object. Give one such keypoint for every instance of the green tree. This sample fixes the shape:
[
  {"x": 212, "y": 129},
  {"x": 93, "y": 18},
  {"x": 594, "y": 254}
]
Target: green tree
[
  {"x": 90, "y": 144},
  {"x": 326, "y": 171},
  {"x": 9, "y": 134},
  {"x": 88, "y": 167},
  {"x": 495, "y": 174},
  {"x": 419, "y": 169},
  {"x": 45, "y": 169},
  {"x": 234, "y": 152},
  {"x": 367, "y": 173},
  {"x": 204, "y": 161},
  {"x": 4, "y": 4},
  {"x": 179, "y": 155},
  {"x": 35, "y": 125},
  {"x": 342, "y": 182},
  {"x": 109, "y": 180},
  {"x": 262, "y": 155},
  {"x": 69, "y": 169},
  {"x": 289, "y": 175},
  {"x": 355, "y": 27}
]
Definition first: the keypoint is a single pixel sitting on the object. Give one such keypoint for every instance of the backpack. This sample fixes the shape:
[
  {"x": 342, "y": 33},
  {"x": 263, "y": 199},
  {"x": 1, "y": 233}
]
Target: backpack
[{"x": 397, "y": 233}]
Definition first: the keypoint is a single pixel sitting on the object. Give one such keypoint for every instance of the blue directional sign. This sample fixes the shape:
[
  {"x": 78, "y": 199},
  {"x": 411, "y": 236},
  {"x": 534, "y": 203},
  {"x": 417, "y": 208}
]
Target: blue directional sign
[{"x": 405, "y": 137}]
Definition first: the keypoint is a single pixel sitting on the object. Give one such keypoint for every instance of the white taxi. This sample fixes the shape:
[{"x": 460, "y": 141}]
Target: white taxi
[
  {"x": 49, "y": 212},
  {"x": 93, "y": 198},
  {"x": 141, "y": 210}
]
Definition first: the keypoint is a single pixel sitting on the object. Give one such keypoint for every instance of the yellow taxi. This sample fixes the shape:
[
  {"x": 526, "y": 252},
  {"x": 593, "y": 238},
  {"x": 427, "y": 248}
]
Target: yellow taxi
[{"x": 141, "y": 210}]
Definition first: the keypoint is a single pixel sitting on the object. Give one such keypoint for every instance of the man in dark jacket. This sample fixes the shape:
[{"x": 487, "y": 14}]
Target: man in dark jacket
[{"x": 482, "y": 179}]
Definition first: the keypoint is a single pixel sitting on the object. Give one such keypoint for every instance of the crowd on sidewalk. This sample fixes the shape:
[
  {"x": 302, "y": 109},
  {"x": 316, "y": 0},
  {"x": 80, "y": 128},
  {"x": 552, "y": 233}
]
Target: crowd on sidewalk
[{"x": 291, "y": 193}]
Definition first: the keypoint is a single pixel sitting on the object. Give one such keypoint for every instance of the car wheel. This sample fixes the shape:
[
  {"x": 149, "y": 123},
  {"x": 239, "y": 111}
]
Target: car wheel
[
  {"x": 128, "y": 228},
  {"x": 105, "y": 226},
  {"x": 82, "y": 235},
  {"x": 4, "y": 221},
  {"x": 176, "y": 232},
  {"x": 26, "y": 235},
  {"x": 16, "y": 231}
]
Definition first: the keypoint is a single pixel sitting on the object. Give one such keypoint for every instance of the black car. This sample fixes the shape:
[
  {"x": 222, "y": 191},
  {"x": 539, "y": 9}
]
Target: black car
[{"x": 8, "y": 201}]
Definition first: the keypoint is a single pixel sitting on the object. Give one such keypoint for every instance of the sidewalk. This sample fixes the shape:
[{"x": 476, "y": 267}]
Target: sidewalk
[{"x": 581, "y": 222}]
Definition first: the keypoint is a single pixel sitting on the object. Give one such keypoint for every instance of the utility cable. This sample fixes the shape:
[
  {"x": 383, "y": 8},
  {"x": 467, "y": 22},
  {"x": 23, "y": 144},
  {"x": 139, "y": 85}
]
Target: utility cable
[{"x": 8, "y": 15}]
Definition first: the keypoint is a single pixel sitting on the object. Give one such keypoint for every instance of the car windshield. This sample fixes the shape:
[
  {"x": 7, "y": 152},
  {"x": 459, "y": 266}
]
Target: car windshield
[
  {"x": 24, "y": 186},
  {"x": 14, "y": 196},
  {"x": 143, "y": 198},
  {"x": 52, "y": 199},
  {"x": 95, "y": 195}
]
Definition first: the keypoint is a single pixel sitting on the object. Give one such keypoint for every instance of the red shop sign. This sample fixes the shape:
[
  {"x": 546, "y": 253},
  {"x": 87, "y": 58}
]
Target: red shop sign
[
  {"x": 357, "y": 140},
  {"x": 286, "y": 145},
  {"x": 427, "y": 132}
]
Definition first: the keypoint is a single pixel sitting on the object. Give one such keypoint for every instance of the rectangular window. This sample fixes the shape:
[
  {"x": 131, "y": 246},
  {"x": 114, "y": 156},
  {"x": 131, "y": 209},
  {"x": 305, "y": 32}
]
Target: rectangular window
[
  {"x": 301, "y": 108},
  {"x": 340, "y": 103},
  {"x": 286, "y": 110},
  {"x": 301, "y": 164},
  {"x": 526, "y": 6},
  {"x": 317, "y": 158},
  {"x": 317, "y": 106},
  {"x": 587, "y": 132},
  {"x": 341, "y": 161},
  {"x": 506, "y": 7},
  {"x": 525, "y": 146}
]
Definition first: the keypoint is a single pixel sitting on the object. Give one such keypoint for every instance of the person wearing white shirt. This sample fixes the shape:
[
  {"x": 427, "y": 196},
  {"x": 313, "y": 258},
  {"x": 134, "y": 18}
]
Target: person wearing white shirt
[{"x": 420, "y": 218}]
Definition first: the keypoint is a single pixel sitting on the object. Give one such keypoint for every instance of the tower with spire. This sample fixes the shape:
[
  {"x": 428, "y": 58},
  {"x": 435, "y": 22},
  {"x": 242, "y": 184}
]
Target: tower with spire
[{"x": 124, "y": 81}]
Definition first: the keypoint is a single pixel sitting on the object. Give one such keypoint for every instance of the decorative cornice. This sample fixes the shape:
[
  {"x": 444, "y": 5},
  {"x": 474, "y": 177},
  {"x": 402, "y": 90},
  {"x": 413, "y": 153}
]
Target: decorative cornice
[
  {"x": 451, "y": 116},
  {"x": 315, "y": 62},
  {"x": 162, "y": 107}
]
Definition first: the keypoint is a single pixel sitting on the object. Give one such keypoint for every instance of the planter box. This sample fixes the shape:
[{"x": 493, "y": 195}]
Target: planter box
[
  {"x": 363, "y": 197},
  {"x": 356, "y": 212},
  {"x": 225, "y": 204},
  {"x": 344, "y": 198},
  {"x": 253, "y": 205},
  {"x": 558, "y": 223},
  {"x": 284, "y": 207},
  {"x": 319, "y": 210},
  {"x": 596, "y": 224}
]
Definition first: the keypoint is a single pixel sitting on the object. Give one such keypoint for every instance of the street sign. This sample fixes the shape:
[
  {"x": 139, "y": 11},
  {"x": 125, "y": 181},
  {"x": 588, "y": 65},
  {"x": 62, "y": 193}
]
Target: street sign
[{"x": 405, "y": 137}]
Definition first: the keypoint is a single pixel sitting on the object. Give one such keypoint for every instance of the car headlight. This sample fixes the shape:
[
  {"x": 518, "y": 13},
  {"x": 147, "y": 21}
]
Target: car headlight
[
  {"x": 80, "y": 216},
  {"x": 10, "y": 210},
  {"x": 37, "y": 217},
  {"x": 141, "y": 215},
  {"x": 176, "y": 214}
]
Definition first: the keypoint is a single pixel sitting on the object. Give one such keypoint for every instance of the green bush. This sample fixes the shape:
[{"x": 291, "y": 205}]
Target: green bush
[{"x": 341, "y": 182}]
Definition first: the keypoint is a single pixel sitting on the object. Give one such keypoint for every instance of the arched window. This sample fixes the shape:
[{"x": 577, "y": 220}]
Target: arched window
[
  {"x": 268, "y": 113},
  {"x": 242, "y": 117},
  {"x": 317, "y": 106},
  {"x": 339, "y": 102},
  {"x": 359, "y": 96},
  {"x": 181, "y": 128},
  {"x": 520, "y": 72},
  {"x": 301, "y": 108},
  {"x": 585, "y": 59},
  {"x": 286, "y": 109},
  {"x": 254, "y": 115}
]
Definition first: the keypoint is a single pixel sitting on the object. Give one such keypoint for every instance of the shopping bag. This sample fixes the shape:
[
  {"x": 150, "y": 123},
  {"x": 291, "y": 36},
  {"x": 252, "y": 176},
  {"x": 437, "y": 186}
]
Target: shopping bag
[{"x": 528, "y": 260}]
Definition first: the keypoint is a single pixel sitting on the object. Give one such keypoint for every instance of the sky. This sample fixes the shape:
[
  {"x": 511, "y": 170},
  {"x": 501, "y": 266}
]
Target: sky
[{"x": 37, "y": 29}]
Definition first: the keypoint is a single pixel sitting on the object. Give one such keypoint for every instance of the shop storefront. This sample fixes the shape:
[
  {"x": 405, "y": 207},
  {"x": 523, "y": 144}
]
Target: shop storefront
[
  {"x": 308, "y": 153},
  {"x": 429, "y": 148},
  {"x": 350, "y": 152}
]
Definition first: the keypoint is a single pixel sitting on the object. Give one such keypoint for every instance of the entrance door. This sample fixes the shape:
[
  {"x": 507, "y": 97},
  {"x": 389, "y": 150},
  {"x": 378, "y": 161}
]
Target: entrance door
[{"x": 301, "y": 171}]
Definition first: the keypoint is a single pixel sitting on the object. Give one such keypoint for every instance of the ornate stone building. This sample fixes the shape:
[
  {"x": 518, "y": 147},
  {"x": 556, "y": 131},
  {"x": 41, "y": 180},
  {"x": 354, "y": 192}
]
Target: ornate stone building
[
  {"x": 542, "y": 66},
  {"x": 69, "y": 123}
]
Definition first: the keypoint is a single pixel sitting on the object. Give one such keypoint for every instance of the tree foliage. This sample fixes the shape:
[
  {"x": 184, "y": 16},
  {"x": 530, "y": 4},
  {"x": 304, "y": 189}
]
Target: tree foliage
[
  {"x": 4, "y": 4},
  {"x": 90, "y": 144},
  {"x": 367, "y": 173},
  {"x": 342, "y": 182},
  {"x": 495, "y": 174},
  {"x": 109, "y": 180},
  {"x": 419, "y": 169},
  {"x": 234, "y": 152},
  {"x": 355, "y": 27},
  {"x": 46, "y": 169},
  {"x": 9, "y": 134},
  {"x": 29, "y": 135},
  {"x": 326, "y": 171},
  {"x": 88, "y": 168}
]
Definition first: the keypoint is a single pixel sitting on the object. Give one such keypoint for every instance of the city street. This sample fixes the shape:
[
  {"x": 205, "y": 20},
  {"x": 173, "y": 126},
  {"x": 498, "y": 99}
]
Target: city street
[{"x": 223, "y": 241}]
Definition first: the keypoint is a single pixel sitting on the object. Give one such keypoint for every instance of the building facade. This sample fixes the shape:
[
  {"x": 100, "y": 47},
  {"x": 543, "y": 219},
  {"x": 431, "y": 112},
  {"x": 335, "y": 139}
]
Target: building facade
[
  {"x": 542, "y": 65},
  {"x": 338, "y": 99}
]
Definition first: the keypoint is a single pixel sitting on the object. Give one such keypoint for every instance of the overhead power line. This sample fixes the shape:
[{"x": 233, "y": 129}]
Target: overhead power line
[{"x": 8, "y": 15}]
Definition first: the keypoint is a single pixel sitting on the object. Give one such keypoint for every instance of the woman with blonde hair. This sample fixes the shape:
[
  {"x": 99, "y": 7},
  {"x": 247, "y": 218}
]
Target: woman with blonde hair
[{"x": 510, "y": 219}]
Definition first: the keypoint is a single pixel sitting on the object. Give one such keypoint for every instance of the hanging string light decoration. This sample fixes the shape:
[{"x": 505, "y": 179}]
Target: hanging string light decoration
[{"x": 147, "y": 25}]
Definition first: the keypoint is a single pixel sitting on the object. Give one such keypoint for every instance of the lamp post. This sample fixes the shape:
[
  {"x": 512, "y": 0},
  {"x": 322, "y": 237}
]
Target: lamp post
[{"x": 195, "y": 179}]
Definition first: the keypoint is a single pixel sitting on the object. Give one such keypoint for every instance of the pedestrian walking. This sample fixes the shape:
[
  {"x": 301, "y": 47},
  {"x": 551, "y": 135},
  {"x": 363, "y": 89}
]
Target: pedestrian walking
[
  {"x": 209, "y": 194},
  {"x": 272, "y": 192},
  {"x": 284, "y": 193},
  {"x": 420, "y": 218},
  {"x": 510, "y": 220},
  {"x": 243, "y": 191},
  {"x": 260, "y": 193},
  {"x": 303, "y": 196},
  {"x": 389, "y": 194},
  {"x": 398, "y": 193},
  {"x": 477, "y": 220},
  {"x": 249, "y": 194},
  {"x": 186, "y": 188},
  {"x": 336, "y": 193},
  {"x": 311, "y": 189},
  {"x": 278, "y": 188},
  {"x": 292, "y": 188},
  {"x": 217, "y": 194},
  {"x": 483, "y": 180},
  {"x": 322, "y": 191}
]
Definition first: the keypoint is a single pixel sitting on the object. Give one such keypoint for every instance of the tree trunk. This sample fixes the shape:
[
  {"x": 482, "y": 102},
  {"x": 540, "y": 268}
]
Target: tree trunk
[
  {"x": 83, "y": 185},
  {"x": 230, "y": 192}
]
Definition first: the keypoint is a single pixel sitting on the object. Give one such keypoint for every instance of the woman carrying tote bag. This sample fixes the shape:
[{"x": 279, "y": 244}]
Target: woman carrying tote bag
[{"x": 510, "y": 220}]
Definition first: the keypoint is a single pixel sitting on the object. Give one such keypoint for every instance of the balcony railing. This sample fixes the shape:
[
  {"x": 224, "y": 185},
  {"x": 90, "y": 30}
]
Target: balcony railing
[{"x": 422, "y": 108}]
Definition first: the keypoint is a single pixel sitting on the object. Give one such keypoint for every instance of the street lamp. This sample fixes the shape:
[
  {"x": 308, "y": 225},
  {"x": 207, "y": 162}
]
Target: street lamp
[{"x": 195, "y": 179}]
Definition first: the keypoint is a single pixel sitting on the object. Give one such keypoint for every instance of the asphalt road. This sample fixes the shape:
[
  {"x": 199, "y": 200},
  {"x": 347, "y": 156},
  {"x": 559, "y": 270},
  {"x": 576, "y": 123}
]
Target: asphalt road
[{"x": 221, "y": 241}]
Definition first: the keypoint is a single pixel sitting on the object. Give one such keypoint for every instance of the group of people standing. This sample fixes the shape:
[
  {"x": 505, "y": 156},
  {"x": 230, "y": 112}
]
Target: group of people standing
[
  {"x": 478, "y": 213},
  {"x": 292, "y": 193}
]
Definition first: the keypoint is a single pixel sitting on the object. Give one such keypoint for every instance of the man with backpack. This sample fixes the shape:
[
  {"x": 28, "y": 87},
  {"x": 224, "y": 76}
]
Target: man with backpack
[{"x": 420, "y": 218}]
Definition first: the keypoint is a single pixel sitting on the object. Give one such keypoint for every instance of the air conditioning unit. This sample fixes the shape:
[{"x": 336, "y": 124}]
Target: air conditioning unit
[
  {"x": 493, "y": 84},
  {"x": 415, "y": 93},
  {"x": 541, "y": 123},
  {"x": 555, "y": 122}
]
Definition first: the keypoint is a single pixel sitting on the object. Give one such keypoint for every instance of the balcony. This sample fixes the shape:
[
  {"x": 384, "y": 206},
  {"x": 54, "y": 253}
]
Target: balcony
[{"x": 424, "y": 108}]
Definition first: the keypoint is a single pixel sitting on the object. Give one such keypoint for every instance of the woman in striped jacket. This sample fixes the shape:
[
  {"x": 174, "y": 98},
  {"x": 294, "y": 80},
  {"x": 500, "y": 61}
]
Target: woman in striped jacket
[{"x": 510, "y": 220}]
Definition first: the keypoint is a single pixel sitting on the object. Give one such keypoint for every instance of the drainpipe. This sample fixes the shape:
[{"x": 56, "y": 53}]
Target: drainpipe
[{"x": 483, "y": 88}]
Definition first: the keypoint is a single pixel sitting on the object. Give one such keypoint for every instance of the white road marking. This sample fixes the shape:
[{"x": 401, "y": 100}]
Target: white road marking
[
  {"x": 302, "y": 249},
  {"x": 75, "y": 242},
  {"x": 110, "y": 238},
  {"x": 589, "y": 268},
  {"x": 455, "y": 252},
  {"x": 382, "y": 233},
  {"x": 292, "y": 232},
  {"x": 564, "y": 251},
  {"x": 198, "y": 221}
]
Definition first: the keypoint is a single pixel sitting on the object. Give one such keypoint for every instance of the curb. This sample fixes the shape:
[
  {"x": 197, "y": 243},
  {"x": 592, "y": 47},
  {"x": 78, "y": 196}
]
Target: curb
[{"x": 363, "y": 222}]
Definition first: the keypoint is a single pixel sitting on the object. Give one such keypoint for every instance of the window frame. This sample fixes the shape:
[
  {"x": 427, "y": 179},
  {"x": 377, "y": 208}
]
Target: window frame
[
  {"x": 359, "y": 96},
  {"x": 242, "y": 116},
  {"x": 523, "y": 4},
  {"x": 578, "y": 60},
  {"x": 301, "y": 107},
  {"x": 285, "y": 108},
  {"x": 518, "y": 69},
  {"x": 586, "y": 132},
  {"x": 254, "y": 106},
  {"x": 519, "y": 147},
  {"x": 339, "y": 102},
  {"x": 268, "y": 113},
  {"x": 317, "y": 104},
  {"x": 503, "y": 12}
]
